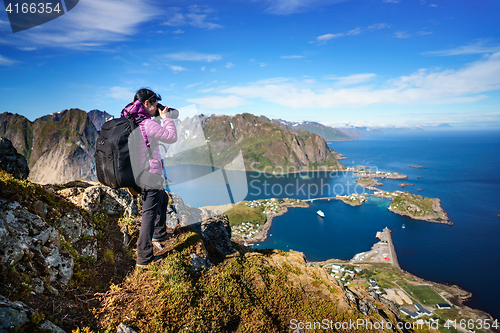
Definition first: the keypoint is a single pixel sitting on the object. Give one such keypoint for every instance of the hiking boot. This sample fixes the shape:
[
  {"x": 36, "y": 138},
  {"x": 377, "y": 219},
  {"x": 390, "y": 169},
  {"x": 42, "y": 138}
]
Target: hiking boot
[
  {"x": 155, "y": 258},
  {"x": 162, "y": 239}
]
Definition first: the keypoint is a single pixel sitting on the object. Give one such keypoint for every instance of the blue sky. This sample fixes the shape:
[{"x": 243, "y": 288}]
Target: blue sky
[{"x": 357, "y": 62}]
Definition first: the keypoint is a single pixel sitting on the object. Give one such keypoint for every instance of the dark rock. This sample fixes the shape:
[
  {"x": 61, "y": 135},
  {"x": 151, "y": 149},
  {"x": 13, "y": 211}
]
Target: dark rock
[
  {"x": 198, "y": 262},
  {"x": 12, "y": 314},
  {"x": 10, "y": 318},
  {"x": 48, "y": 326},
  {"x": 11, "y": 161},
  {"x": 216, "y": 238},
  {"x": 40, "y": 208}
]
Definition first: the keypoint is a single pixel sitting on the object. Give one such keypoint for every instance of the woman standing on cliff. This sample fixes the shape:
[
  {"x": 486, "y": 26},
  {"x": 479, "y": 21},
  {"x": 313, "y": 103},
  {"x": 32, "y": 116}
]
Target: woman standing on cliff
[{"x": 150, "y": 179}]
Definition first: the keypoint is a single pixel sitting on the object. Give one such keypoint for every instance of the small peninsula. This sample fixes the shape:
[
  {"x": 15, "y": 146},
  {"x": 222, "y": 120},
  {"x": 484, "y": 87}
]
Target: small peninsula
[
  {"x": 250, "y": 220},
  {"x": 354, "y": 199}
]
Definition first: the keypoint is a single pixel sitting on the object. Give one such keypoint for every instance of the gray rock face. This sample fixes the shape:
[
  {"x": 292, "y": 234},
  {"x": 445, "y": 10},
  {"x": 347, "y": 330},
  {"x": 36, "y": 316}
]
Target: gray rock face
[
  {"x": 24, "y": 235},
  {"x": 95, "y": 198},
  {"x": 216, "y": 236},
  {"x": 10, "y": 318},
  {"x": 11, "y": 161},
  {"x": 74, "y": 227},
  {"x": 12, "y": 314},
  {"x": 182, "y": 215}
]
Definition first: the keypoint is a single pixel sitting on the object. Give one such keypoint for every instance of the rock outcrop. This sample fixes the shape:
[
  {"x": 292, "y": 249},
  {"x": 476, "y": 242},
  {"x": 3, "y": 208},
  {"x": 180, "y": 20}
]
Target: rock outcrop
[{"x": 11, "y": 161}]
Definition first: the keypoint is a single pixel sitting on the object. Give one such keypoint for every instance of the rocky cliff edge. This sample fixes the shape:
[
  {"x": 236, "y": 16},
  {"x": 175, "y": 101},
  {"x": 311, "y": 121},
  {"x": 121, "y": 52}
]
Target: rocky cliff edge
[{"x": 68, "y": 264}]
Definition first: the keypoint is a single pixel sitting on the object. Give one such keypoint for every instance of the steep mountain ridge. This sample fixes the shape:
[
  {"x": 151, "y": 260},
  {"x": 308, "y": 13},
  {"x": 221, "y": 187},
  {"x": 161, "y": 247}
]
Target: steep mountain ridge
[
  {"x": 264, "y": 145},
  {"x": 58, "y": 147}
]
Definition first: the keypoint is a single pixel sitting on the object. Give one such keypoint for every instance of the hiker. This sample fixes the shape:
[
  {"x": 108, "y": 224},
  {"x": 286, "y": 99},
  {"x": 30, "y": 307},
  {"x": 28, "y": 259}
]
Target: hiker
[{"x": 155, "y": 200}]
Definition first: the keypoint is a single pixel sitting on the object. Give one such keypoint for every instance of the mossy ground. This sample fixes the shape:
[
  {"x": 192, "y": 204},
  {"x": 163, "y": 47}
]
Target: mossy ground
[
  {"x": 249, "y": 292},
  {"x": 68, "y": 306}
]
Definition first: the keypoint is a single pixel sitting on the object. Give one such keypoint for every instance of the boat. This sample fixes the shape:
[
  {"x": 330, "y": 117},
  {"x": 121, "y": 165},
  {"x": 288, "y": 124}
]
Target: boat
[
  {"x": 320, "y": 213},
  {"x": 403, "y": 226}
]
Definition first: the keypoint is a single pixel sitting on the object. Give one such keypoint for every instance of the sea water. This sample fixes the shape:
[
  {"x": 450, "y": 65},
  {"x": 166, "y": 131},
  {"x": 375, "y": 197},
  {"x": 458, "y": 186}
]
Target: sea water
[{"x": 461, "y": 169}]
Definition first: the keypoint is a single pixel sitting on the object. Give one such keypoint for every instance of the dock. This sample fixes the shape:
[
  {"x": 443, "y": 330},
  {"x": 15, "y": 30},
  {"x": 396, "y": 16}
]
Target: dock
[
  {"x": 385, "y": 236},
  {"x": 381, "y": 252}
]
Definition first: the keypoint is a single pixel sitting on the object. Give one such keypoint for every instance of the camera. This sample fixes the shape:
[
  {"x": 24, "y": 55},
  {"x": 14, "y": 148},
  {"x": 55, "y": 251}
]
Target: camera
[{"x": 172, "y": 113}]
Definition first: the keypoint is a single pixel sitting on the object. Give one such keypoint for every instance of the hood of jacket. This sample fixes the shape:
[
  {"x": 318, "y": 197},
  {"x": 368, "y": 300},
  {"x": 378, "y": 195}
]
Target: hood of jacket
[{"x": 136, "y": 112}]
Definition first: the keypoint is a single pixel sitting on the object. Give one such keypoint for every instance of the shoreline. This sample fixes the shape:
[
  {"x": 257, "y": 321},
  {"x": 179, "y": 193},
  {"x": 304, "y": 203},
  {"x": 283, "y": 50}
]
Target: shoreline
[
  {"x": 263, "y": 232},
  {"x": 453, "y": 294}
]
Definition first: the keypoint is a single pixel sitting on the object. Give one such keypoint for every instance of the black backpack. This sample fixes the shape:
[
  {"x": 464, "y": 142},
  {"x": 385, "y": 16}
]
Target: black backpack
[{"x": 112, "y": 157}]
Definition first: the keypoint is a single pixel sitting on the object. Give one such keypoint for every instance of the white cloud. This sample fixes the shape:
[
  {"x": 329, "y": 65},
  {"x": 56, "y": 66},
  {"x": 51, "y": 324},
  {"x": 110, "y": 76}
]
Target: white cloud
[
  {"x": 478, "y": 47},
  {"x": 193, "y": 85},
  {"x": 424, "y": 33},
  {"x": 292, "y": 57},
  {"x": 353, "y": 79},
  {"x": 323, "y": 39},
  {"x": 422, "y": 87},
  {"x": 196, "y": 16},
  {"x": 402, "y": 34},
  {"x": 192, "y": 56},
  {"x": 178, "y": 31},
  {"x": 203, "y": 68},
  {"x": 26, "y": 48},
  {"x": 5, "y": 61},
  {"x": 91, "y": 24},
  {"x": 229, "y": 65},
  {"x": 354, "y": 32},
  {"x": 121, "y": 93},
  {"x": 378, "y": 26},
  {"x": 391, "y": 1},
  {"x": 327, "y": 37},
  {"x": 219, "y": 102},
  {"x": 286, "y": 7},
  {"x": 177, "y": 69}
]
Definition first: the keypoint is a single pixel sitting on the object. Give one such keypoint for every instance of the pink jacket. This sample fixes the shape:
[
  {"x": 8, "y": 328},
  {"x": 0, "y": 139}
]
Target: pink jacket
[{"x": 152, "y": 133}]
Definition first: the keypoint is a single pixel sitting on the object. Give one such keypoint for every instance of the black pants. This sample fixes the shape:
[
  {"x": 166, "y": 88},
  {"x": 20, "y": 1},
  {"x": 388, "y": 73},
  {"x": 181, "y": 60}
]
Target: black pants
[{"x": 154, "y": 215}]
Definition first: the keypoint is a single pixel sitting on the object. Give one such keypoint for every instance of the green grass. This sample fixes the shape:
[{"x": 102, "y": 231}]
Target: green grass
[
  {"x": 404, "y": 201},
  {"x": 242, "y": 213},
  {"x": 426, "y": 295}
]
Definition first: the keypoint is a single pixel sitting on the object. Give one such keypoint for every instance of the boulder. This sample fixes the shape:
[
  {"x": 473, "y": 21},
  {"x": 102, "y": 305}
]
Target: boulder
[
  {"x": 96, "y": 198},
  {"x": 11, "y": 161}
]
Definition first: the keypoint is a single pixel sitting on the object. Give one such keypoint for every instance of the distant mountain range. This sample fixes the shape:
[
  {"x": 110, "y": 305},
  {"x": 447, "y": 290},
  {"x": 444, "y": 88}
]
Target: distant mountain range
[
  {"x": 326, "y": 132},
  {"x": 60, "y": 147}
]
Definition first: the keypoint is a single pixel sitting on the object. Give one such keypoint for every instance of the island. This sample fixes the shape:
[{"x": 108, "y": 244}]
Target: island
[
  {"x": 416, "y": 166},
  {"x": 416, "y": 206},
  {"x": 368, "y": 183},
  {"x": 406, "y": 184}
]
